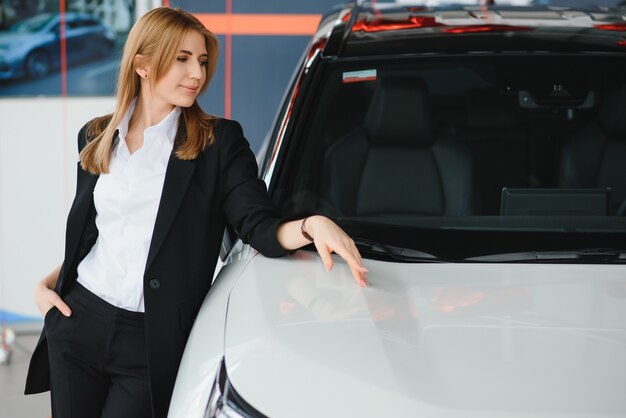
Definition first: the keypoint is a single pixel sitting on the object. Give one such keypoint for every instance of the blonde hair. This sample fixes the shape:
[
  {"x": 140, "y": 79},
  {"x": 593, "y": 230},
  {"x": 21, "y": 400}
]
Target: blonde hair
[{"x": 156, "y": 36}]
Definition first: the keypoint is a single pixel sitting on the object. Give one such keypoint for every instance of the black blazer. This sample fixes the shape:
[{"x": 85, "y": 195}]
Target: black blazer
[{"x": 199, "y": 196}]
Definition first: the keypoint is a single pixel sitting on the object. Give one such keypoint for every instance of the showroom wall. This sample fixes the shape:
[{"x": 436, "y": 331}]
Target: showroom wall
[{"x": 37, "y": 180}]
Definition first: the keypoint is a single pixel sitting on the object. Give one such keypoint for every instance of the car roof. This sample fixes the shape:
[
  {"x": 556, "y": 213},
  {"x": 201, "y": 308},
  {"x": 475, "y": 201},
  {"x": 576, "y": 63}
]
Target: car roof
[{"x": 366, "y": 29}]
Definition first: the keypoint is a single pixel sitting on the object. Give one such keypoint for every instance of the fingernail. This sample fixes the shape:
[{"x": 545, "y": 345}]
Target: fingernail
[{"x": 67, "y": 313}]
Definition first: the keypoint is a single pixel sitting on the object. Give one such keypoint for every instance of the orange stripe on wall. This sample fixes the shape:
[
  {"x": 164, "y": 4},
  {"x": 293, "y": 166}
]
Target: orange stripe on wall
[{"x": 260, "y": 24}]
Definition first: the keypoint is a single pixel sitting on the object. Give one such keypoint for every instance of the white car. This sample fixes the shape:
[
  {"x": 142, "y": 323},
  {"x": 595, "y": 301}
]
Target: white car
[{"x": 477, "y": 156}]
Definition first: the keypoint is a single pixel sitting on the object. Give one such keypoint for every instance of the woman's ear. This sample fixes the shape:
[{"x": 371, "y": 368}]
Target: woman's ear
[{"x": 141, "y": 66}]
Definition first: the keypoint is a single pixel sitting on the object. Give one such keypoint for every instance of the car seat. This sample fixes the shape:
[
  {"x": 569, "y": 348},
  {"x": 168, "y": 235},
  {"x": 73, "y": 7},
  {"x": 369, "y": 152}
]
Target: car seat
[
  {"x": 393, "y": 164},
  {"x": 596, "y": 155}
]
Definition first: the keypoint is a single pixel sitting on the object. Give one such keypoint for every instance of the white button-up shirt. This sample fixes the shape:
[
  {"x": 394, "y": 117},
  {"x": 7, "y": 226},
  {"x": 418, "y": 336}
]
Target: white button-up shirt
[{"x": 126, "y": 200}]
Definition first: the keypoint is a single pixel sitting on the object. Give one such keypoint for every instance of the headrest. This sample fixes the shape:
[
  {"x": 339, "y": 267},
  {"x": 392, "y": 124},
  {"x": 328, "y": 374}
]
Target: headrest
[
  {"x": 612, "y": 113},
  {"x": 488, "y": 110},
  {"x": 399, "y": 113}
]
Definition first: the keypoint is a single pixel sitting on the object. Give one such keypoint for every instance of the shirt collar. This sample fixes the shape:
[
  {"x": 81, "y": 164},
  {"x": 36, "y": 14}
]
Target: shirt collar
[
  {"x": 122, "y": 128},
  {"x": 168, "y": 125}
]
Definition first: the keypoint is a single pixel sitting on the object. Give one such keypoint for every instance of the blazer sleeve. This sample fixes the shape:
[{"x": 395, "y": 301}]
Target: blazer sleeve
[{"x": 247, "y": 205}]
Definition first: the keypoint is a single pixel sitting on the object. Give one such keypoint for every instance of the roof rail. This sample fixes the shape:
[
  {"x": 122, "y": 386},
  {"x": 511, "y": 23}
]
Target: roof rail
[{"x": 358, "y": 4}]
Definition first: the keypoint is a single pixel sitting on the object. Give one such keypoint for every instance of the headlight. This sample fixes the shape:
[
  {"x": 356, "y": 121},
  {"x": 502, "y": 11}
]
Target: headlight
[{"x": 224, "y": 402}]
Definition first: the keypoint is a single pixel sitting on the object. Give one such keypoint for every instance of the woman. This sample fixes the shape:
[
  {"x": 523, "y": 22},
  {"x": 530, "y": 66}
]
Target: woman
[{"x": 157, "y": 181}]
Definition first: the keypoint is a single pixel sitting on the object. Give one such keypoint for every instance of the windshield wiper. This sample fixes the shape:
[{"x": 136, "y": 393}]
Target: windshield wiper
[
  {"x": 587, "y": 255},
  {"x": 406, "y": 255}
]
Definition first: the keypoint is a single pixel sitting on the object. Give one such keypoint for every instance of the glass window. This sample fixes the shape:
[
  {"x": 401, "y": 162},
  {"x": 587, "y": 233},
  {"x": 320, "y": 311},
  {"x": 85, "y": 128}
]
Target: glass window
[{"x": 515, "y": 145}]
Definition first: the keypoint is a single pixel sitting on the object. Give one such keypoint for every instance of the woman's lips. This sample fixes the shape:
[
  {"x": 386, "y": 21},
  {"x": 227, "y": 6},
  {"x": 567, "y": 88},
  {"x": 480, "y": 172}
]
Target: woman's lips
[{"x": 190, "y": 89}]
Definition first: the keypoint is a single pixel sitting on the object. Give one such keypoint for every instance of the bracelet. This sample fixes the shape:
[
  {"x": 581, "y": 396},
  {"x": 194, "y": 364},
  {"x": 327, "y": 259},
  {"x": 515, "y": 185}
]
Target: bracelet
[{"x": 303, "y": 230}]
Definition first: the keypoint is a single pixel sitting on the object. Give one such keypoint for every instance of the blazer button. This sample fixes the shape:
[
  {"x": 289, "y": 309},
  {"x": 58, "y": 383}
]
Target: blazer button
[{"x": 155, "y": 283}]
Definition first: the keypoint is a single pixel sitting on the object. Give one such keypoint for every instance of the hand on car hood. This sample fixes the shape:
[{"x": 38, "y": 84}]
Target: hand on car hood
[{"x": 435, "y": 340}]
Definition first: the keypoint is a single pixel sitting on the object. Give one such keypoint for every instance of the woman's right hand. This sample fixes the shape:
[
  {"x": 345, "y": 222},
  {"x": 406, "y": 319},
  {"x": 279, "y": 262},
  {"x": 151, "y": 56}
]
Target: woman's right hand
[{"x": 46, "y": 298}]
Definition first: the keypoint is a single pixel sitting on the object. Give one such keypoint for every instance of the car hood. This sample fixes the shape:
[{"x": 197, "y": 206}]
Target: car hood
[{"x": 431, "y": 340}]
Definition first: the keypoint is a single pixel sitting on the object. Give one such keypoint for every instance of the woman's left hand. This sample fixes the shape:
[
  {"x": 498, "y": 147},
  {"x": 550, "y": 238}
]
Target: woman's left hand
[{"x": 328, "y": 237}]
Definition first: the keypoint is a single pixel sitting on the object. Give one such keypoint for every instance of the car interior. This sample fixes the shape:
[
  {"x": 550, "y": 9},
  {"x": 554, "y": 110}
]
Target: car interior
[{"x": 480, "y": 136}]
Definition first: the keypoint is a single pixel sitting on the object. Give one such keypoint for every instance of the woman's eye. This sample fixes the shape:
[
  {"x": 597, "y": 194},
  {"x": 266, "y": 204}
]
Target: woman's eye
[
  {"x": 181, "y": 59},
  {"x": 204, "y": 63}
]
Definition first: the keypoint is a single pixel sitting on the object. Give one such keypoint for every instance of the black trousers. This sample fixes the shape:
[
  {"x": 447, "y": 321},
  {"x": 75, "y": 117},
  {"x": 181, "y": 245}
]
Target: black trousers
[{"x": 98, "y": 364}]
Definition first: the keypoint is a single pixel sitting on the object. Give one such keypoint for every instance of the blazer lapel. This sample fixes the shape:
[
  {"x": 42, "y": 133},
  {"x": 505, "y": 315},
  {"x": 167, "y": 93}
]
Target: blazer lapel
[{"x": 177, "y": 177}]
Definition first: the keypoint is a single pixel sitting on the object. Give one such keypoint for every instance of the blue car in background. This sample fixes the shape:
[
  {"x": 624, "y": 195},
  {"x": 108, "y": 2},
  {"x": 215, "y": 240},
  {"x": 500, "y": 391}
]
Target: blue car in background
[{"x": 32, "y": 48}]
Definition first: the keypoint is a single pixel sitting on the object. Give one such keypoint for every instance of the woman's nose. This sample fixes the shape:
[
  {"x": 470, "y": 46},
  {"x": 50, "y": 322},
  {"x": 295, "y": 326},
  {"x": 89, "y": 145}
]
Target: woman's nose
[{"x": 196, "y": 71}]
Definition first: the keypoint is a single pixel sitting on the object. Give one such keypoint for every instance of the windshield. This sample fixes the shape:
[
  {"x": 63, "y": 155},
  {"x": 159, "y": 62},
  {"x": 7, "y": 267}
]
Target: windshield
[
  {"x": 34, "y": 24},
  {"x": 464, "y": 157}
]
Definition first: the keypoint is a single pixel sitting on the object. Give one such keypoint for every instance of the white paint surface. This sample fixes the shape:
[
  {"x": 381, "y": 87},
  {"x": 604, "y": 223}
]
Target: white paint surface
[
  {"x": 440, "y": 340},
  {"x": 38, "y": 157}
]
